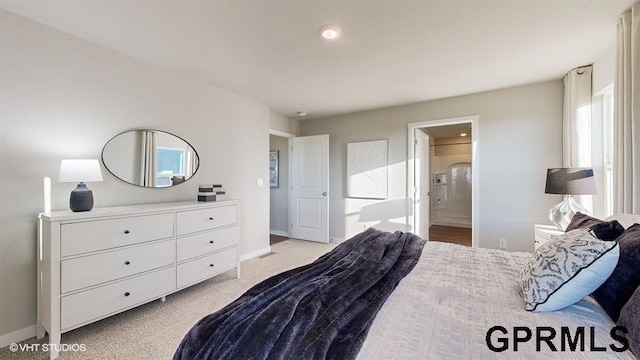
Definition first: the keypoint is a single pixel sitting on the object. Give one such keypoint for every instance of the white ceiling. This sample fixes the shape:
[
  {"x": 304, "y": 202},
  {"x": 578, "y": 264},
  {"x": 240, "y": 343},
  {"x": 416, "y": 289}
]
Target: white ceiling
[{"x": 390, "y": 53}]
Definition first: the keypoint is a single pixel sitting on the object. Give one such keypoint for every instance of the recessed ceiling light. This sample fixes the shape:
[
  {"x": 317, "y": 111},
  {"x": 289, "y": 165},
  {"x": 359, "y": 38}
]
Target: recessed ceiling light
[
  {"x": 302, "y": 113},
  {"x": 329, "y": 31},
  {"x": 463, "y": 134}
]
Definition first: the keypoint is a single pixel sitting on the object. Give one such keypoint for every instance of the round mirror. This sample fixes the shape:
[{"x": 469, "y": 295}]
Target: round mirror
[{"x": 150, "y": 158}]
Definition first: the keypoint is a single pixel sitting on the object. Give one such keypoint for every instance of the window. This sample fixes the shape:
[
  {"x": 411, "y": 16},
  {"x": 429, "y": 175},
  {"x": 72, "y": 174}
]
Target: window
[
  {"x": 607, "y": 127},
  {"x": 169, "y": 162},
  {"x": 585, "y": 146},
  {"x": 602, "y": 150}
]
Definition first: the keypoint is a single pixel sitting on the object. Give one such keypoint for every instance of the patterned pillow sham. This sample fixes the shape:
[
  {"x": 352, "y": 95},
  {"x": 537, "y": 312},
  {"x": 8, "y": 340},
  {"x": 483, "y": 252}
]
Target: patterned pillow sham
[
  {"x": 565, "y": 270},
  {"x": 603, "y": 230},
  {"x": 616, "y": 291},
  {"x": 630, "y": 319}
]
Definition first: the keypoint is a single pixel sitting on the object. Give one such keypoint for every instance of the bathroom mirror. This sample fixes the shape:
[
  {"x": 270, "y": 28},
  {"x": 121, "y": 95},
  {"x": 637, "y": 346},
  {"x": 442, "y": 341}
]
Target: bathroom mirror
[{"x": 150, "y": 158}]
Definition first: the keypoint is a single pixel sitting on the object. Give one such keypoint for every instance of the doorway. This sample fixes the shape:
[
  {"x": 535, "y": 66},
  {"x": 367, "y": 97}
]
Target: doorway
[
  {"x": 442, "y": 179},
  {"x": 279, "y": 189},
  {"x": 299, "y": 187}
]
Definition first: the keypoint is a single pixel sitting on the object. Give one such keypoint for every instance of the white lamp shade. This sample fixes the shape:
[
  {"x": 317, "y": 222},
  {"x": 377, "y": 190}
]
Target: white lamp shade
[{"x": 80, "y": 170}]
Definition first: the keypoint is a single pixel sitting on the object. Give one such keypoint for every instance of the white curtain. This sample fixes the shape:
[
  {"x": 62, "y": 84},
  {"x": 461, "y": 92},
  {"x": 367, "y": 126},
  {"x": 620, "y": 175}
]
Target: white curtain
[
  {"x": 191, "y": 163},
  {"x": 576, "y": 124},
  {"x": 576, "y": 118},
  {"x": 148, "y": 158},
  {"x": 626, "y": 123}
]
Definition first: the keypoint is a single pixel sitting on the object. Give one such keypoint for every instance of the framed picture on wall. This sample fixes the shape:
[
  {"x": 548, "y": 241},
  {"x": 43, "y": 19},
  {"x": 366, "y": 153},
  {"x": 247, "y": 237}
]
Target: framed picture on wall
[
  {"x": 273, "y": 168},
  {"x": 367, "y": 169}
]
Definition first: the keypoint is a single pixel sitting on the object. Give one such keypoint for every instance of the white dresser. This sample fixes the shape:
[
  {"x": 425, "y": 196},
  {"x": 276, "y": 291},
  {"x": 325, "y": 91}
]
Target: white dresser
[{"x": 95, "y": 264}]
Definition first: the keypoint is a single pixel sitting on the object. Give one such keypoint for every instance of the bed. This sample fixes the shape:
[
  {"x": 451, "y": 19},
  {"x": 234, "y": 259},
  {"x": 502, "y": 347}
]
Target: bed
[
  {"x": 455, "y": 302},
  {"x": 455, "y": 294}
]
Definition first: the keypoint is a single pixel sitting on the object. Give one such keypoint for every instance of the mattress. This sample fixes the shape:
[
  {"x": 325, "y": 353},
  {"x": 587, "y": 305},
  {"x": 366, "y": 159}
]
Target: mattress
[{"x": 446, "y": 306}]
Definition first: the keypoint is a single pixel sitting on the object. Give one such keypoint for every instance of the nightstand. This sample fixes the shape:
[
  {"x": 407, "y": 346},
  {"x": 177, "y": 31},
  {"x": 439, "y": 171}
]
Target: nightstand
[{"x": 543, "y": 234}]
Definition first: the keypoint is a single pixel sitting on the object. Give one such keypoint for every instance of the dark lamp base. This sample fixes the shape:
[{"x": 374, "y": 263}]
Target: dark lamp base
[{"x": 81, "y": 199}]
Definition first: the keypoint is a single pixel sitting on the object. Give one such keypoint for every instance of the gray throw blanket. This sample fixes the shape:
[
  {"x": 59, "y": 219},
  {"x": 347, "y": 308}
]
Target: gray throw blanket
[{"x": 322, "y": 310}]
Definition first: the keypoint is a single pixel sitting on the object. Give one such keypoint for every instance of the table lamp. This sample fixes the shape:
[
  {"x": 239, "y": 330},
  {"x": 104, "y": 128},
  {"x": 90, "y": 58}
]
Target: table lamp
[
  {"x": 81, "y": 171},
  {"x": 568, "y": 182}
]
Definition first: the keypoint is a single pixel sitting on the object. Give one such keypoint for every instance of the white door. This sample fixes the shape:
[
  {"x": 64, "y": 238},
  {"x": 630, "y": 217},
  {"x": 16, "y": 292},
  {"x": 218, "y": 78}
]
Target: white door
[
  {"x": 423, "y": 184},
  {"x": 309, "y": 188}
]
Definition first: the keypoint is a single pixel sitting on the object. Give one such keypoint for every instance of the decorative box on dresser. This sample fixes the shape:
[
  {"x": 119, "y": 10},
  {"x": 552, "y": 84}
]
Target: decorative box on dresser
[{"x": 95, "y": 264}]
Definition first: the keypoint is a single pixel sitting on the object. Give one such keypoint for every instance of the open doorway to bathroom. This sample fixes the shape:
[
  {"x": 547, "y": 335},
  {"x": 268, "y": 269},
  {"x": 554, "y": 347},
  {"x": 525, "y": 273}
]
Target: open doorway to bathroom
[{"x": 442, "y": 174}]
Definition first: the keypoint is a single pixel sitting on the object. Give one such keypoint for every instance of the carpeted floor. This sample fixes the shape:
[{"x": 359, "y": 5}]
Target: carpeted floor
[{"x": 154, "y": 330}]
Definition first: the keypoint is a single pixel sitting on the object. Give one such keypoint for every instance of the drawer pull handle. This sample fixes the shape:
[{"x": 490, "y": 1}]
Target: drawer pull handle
[
  {"x": 127, "y": 294},
  {"x": 211, "y": 265},
  {"x": 126, "y": 231},
  {"x": 127, "y": 262},
  {"x": 211, "y": 241},
  {"x": 211, "y": 218}
]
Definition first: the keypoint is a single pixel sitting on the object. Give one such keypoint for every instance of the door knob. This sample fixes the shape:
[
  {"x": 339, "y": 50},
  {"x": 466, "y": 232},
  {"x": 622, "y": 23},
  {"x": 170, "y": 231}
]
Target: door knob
[{"x": 324, "y": 193}]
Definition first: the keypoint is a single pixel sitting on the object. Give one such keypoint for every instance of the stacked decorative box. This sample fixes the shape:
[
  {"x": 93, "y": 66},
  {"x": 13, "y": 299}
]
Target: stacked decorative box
[{"x": 211, "y": 192}]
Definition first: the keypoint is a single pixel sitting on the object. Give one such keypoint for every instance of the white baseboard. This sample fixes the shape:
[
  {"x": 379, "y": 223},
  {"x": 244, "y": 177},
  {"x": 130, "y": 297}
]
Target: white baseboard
[
  {"x": 335, "y": 240},
  {"x": 17, "y": 336},
  {"x": 256, "y": 253},
  {"x": 279, "y": 233}
]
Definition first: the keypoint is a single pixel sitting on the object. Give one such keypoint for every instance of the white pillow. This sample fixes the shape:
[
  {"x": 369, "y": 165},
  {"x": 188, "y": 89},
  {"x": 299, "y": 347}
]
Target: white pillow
[
  {"x": 565, "y": 270},
  {"x": 625, "y": 220}
]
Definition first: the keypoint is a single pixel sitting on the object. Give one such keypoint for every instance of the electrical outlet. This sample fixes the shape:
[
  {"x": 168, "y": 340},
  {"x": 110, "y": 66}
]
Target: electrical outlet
[{"x": 502, "y": 243}]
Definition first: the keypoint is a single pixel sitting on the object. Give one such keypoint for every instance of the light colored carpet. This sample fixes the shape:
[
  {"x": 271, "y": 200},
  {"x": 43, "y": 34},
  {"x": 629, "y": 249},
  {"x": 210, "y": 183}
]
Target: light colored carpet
[{"x": 154, "y": 330}]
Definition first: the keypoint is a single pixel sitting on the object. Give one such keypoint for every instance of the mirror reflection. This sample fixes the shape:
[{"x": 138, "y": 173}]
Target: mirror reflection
[{"x": 150, "y": 158}]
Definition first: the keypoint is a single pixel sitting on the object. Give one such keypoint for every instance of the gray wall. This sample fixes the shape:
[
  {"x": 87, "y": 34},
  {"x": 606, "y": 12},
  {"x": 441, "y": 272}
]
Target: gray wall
[
  {"x": 282, "y": 123},
  {"x": 520, "y": 133},
  {"x": 63, "y": 97},
  {"x": 279, "y": 197}
]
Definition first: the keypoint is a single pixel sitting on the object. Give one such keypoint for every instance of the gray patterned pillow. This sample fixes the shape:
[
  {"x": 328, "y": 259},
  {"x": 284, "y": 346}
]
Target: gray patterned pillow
[{"x": 565, "y": 270}]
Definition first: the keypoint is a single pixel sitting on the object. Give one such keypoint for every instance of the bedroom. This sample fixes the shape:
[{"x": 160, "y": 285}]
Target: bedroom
[{"x": 60, "y": 84}]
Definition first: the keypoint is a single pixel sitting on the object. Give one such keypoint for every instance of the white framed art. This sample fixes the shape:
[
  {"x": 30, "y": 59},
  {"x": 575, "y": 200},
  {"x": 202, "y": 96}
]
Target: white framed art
[{"x": 367, "y": 169}]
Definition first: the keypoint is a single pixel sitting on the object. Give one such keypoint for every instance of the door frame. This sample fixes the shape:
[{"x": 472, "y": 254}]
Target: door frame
[
  {"x": 412, "y": 222},
  {"x": 419, "y": 195}
]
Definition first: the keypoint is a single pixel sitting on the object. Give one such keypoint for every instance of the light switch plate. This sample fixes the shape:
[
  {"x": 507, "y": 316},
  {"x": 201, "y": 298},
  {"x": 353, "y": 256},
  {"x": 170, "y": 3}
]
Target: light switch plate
[{"x": 259, "y": 182}]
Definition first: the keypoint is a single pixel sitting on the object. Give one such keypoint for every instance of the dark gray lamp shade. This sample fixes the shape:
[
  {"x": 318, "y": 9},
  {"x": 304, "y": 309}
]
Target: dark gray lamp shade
[{"x": 570, "y": 181}]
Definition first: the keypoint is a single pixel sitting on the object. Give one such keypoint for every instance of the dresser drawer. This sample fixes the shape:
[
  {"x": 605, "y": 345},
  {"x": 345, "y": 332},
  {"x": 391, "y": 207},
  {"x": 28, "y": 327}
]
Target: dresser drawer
[
  {"x": 206, "y": 219},
  {"x": 200, "y": 244},
  {"x": 100, "y": 302},
  {"x": 206, "y": 267},
  {"x": 78, "y": 238},
  {"x": 99, "y": 268}
]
